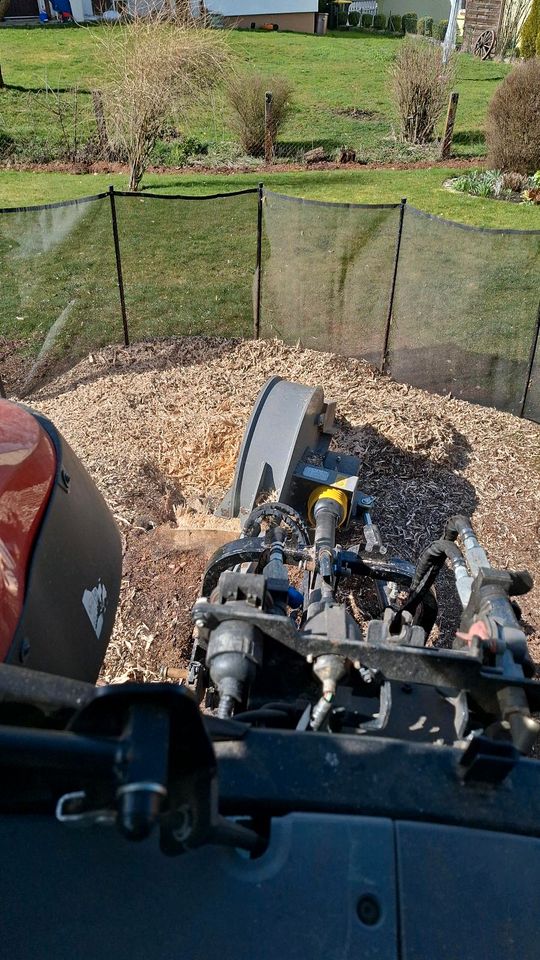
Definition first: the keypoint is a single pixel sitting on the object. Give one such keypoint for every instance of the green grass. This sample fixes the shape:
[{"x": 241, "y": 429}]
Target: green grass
[
  {"x": 422, "y": 188},
  {"x": 329, "y": 74}
]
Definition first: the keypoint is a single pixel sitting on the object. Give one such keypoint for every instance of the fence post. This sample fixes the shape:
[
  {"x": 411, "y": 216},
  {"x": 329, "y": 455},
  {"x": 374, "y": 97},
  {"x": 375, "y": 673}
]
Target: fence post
[
  {"x": 534, "y": 347},
  {"x": 119, "y": 266},
  {"x": 268, "y": 145},
  {"x": 258, "y": 268},
  {"x": 393, "y": 287},
  {"x": 446, "y": 145}
]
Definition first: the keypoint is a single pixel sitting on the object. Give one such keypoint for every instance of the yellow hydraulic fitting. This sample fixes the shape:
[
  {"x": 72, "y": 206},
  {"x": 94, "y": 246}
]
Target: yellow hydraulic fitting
[{"x": 328, "y": 493}]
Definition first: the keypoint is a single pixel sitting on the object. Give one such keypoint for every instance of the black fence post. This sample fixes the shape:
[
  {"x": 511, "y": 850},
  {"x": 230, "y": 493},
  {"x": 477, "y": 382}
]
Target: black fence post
[
  {"x": 3, "y": 393},
  {"x": 393, "y": 287},
  {"x": 119, "y": 266},
  {"x": 258, "y": 277},
  {"x": 534, "y": 347}
]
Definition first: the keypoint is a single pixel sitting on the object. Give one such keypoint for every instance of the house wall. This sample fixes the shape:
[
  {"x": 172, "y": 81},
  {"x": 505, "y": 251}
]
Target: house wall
[
  {"x": 438, "y": 9},
  {"x": 297, "y": 22},
  {"x": 245, "y": 8},
  {"x": 81, "y": 9}
]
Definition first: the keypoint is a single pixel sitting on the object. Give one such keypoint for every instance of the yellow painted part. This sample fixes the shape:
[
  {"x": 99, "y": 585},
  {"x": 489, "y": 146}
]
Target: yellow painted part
[{"x": 328, "y": 493}]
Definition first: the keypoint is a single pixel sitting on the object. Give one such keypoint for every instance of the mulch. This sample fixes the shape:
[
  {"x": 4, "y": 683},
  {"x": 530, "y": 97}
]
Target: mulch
[{"x": 158, "y": 426}]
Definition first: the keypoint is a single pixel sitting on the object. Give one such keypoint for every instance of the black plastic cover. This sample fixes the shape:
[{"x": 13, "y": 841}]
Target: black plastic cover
[{"x": 74, "y": 578}]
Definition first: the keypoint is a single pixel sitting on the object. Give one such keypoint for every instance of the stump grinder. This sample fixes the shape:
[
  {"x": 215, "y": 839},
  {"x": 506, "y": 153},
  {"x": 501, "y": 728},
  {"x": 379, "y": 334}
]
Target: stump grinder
[{"x": 337, "y": 786}]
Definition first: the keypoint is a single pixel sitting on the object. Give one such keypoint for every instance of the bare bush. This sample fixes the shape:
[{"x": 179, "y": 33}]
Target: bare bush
[
  {"x": 421, "y": 83},
  {"x": 158, "y": 66},
  {"x": 245, "y": 95},
  {"x": 513, "y": 121}
]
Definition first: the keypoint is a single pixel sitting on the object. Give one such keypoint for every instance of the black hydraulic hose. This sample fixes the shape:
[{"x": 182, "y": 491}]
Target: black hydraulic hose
[
  {"x": 432, "y": 560},
  {"x": 428, "y": 567},
  {"x": 458, "y": 526}
]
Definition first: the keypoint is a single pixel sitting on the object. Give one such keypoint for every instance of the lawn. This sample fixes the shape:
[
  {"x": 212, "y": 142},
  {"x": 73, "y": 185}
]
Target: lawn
[
  {"x": 330, "y": 75},
  {"x": 422, "y": 188}
]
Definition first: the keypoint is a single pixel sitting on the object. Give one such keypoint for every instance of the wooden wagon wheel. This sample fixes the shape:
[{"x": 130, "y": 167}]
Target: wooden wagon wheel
[{"x": 485, "y": 44}]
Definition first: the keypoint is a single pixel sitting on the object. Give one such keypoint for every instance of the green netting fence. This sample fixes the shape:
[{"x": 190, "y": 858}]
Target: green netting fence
[{"x": 443, "y": 306}]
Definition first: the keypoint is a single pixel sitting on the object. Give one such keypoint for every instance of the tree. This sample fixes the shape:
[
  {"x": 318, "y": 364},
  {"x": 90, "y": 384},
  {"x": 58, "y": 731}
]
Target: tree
[
  {"x": 157, "y": 66},
  {"x": 530, "y": 32},
  {"x": 421, "y": 82}
]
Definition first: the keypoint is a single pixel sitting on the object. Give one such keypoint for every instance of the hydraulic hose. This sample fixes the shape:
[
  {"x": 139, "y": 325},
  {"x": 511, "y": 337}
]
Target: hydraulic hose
[
  {"x": 428, "y": 567},
  {"x": 432, "y": 560},
  {"x": 475, "y": 555}
]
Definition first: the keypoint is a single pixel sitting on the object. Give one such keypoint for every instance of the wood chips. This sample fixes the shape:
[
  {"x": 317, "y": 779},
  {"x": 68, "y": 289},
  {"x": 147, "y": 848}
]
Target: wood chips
[{"x": 158, "y": 426}]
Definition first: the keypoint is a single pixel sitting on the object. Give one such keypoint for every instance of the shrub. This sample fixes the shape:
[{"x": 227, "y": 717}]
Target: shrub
[
  {"x": 421, "y": 82},
  {"x": 480, "y": 183},
  {"x": 354, "y": 18},
  {"x": 379, "y": 21},
  {"x": 440, "y": 30},
  {"x": 531, "y": 32},
  {"x": 409, "y": 22},
  {"x": 515, "y": 182},
  {"x": 513, "y": 120},
  {"x": 157, "y": 67},
  {"x": 245, "y": 95},
  {"x": 394, "y": 23},
  {"x": 367, "y": 20},
  {"x": 425, "y": 26},
  {"x": 6, "y": 145},
  {"x": 342, "y": 19}
]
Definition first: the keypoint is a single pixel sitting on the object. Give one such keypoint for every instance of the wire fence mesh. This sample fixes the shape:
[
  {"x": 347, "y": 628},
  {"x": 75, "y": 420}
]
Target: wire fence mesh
[
  {"x": 462, "y": 316},
  {"x": 436, "y": 304},
  {"x": 326, "y": 276},
  {"x": 465, "y": 310},
  {"x": 188, "y": 265},
  {"x": 59, "y": 297}
]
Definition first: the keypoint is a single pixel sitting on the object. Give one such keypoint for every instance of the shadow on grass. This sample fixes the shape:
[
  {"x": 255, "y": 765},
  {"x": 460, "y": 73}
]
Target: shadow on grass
[
  {"x": 45, "y": 90},
  {"x": 295, "y": 149},
  {"x": 492, "y": 79},
  {"x": 469, "y": 138}
]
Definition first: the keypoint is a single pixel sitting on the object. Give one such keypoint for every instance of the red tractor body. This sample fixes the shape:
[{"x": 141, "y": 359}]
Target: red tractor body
[{"x": 60, "y": 554}]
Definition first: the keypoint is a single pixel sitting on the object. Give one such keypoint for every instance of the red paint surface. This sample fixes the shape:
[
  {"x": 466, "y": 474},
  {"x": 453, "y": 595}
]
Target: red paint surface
[{"x": 27, "y": 470}]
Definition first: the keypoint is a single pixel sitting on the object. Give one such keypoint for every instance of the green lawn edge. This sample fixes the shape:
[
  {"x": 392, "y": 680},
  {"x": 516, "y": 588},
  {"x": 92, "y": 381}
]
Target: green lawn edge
[{"x": 422, "y": 188}]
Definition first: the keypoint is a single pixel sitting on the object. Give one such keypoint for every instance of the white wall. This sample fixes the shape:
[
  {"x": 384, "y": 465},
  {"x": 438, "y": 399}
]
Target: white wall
[
  {"x": 81, "y": 9},
  {"x": 243, "y": 8}
]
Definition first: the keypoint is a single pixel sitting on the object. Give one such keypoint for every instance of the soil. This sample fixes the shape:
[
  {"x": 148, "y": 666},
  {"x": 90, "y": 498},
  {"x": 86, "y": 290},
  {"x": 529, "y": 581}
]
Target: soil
[
  {"x": 357, "y": 114},
  {"x": 13, "y": 363},
  {"x": 158, "y": 425},
  {"x": 231, "y": 170}
]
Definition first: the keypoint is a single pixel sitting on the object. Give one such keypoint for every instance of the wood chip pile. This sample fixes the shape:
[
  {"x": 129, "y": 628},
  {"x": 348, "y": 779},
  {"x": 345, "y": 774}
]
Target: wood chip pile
[{"x": 158, "y": 426}]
